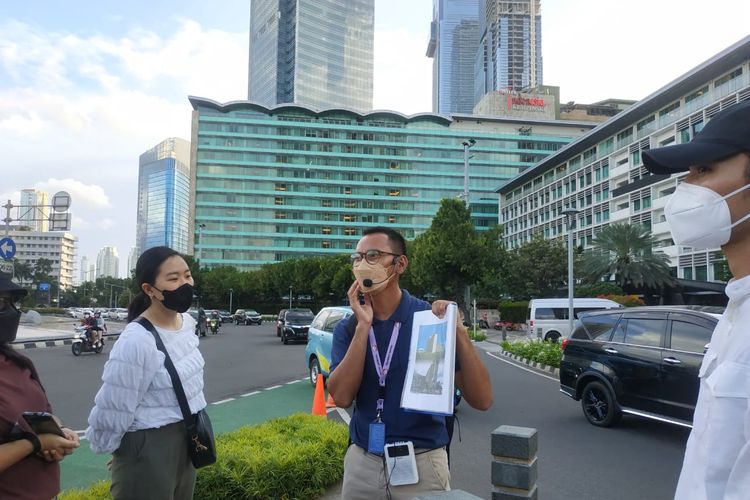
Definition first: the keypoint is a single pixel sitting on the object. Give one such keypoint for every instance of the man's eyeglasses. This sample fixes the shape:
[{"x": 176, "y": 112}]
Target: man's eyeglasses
[
  {"x": 371, "y": 256},
  {"x": 7, "y": 303}
]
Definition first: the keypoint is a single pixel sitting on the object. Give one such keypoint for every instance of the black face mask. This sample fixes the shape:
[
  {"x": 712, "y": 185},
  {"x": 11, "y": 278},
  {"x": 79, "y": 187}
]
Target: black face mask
[
  {"x": 178, "y": 300},
  {"x": 9, "y": 320}
]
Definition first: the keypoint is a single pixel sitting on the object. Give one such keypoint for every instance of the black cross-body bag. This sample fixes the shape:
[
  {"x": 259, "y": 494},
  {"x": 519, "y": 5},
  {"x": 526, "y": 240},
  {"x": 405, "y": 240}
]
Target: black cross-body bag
[{"x": 200, "y": 433}]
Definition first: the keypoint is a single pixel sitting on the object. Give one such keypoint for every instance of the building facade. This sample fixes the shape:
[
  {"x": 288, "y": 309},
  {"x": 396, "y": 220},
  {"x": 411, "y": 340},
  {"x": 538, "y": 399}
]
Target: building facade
[
  {"x": 316, "y": 53},
  {"x": 164, "y": 196},
  {"x": 454, "y": 40},
  {"x": 34, "y": 210},
  {"x": 288, "y": 182},
  {"x": 84, "y": 270},
  {"x": 133, "y": 260},
  {"x": 57, "y": 247},
  {"x": 107, "y": 263},
  {"x": 602, "y": 174},
  {"x": 509, "y": 57}
]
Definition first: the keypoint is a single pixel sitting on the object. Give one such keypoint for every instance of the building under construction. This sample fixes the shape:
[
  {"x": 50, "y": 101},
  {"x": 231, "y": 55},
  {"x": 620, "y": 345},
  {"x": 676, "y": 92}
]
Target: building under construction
[{"x": 510, "y": 48}]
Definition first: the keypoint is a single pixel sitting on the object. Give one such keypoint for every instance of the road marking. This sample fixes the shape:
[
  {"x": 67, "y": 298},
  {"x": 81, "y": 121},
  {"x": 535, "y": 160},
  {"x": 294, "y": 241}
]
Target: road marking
[
  {"x": 249, "y": 394},
  {"x": 272, "y": 387},
  {"x": 522, "y": 368},
  {"x": 343, "y": 414},
  {"x": 293, "y": 382},
  {"x": 223, "y": 401}
]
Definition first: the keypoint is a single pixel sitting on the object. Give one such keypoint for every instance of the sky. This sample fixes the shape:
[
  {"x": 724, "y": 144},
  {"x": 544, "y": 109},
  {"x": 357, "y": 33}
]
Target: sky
[{"x": 87, "y": 86}]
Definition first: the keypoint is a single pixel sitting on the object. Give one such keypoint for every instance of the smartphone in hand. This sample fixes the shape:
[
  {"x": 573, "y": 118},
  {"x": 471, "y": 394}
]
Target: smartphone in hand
[{"x": 42, "y": 422}]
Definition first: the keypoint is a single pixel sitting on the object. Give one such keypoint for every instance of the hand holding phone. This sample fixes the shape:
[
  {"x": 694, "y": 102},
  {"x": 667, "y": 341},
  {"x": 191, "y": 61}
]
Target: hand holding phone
[{"x": 42, "y": 422}]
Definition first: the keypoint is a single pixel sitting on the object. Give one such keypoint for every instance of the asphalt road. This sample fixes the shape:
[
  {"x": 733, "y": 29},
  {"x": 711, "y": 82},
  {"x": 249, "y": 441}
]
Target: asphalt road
[
  {"x": 637, "y": 459},
  {"x": 240, "y": 359}
]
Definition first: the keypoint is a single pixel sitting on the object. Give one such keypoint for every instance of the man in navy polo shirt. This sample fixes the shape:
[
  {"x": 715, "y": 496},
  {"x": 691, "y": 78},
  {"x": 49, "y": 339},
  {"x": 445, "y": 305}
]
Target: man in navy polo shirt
[{"x": 387, "y": 312}]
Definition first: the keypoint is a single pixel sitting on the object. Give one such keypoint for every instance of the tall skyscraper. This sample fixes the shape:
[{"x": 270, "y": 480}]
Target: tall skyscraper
[
  {"x": 454, "y": 40},
  {"x": 107, "y": 263},
  {"x": 132, "y": 260},
  {"x": 510, "y": 47},
  {"x": 85, "y": 269},
  {"x": 34, "y": 212},
  {"x": 164, "y": 196},
  {"x": 317, "y": 53}
]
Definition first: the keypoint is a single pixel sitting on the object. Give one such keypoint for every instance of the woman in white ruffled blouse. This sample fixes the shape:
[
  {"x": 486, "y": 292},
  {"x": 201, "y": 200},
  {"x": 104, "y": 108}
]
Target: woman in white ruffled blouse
[{"x": 136, "y": 416}]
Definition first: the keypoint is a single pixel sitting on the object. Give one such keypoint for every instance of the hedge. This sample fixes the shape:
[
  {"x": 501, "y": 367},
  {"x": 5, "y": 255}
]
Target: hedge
[
  {"x": 515, "y": 312},
  {"x": 295, "y": 457},
  {"x": 547, "y": 353}
]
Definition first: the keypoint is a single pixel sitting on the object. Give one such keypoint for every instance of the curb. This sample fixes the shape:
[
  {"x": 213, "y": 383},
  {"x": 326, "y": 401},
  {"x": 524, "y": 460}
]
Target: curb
[
  {"x": 532, "y": 364},
  {"x": 20, "y": 345}
]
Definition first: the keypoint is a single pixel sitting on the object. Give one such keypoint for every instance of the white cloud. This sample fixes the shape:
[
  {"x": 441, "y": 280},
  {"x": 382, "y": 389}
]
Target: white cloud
[{"x": 82, "y": 195}]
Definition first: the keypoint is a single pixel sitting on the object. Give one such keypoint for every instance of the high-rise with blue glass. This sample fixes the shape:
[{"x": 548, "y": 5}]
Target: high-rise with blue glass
[
  {"x": 317, "y": 53},
  {"x": 454, "y": 40},
  {"x": 164, "y": 196}
]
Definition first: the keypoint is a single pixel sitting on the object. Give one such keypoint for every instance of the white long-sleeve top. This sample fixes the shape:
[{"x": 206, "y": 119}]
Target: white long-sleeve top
[
  {"x": 717, "y": 458},
  {"x": 137, "y": 392}
]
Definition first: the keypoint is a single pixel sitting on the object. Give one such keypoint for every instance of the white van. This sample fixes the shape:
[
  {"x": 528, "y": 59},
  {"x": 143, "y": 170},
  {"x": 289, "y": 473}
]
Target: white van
[{"x": 547, "y": 319}]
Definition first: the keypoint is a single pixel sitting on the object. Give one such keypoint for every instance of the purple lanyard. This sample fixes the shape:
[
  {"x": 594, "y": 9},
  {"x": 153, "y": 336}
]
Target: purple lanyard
[{"x": 382, "y": 369}]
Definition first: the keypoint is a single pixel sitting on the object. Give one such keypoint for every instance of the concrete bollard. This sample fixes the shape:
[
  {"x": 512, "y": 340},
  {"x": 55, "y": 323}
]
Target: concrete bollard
[
  {"x": 505, "y": 333},
  {"x": 514, "y": 466}
]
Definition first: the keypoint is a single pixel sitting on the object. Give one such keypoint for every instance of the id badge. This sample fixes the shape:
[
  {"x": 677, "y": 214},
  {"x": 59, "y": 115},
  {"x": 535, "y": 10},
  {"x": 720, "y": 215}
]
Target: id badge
[{"x": 376, "y": 443}]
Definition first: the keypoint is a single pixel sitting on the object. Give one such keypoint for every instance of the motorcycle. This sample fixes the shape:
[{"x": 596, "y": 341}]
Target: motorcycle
[
  {"x": 213, "y": 325},
  {"x": 82, "y": 342}
]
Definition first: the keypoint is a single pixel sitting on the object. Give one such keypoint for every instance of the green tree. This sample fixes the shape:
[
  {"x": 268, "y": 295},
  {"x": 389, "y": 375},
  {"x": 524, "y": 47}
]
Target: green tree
[
  {"x": 626, "y": 251},
  {"x": 537, "y": 268},
  {"x": 23, "y": 271},
  {"x": 452, "y": 254},
  {"x": 42, "y": 270}
]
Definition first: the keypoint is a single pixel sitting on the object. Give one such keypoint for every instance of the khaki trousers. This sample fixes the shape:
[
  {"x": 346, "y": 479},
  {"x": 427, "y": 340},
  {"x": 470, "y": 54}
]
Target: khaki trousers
[
  {"x": 364, "y": 475},
  {"x": 153, "y": 464}
]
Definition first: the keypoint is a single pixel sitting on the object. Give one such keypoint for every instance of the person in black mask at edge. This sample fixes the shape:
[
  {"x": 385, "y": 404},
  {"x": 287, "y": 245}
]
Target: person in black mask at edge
[
  {"x": 136, "y": 416},
  {"x": 29, "y": 467}
]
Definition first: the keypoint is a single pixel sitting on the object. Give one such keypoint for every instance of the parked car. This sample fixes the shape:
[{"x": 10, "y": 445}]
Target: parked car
[
  {"x": 295, "y": 324},
  {"x": 280, "y": 318},
  {"x": 547, "y": 319},
  {"x": 320, "y": 339},
  {"x": 247, "y": 317},
  {"x": 117, "y": 314},
  {"x": 226, "y": 316},
  {"x": 641, "y": 361}
]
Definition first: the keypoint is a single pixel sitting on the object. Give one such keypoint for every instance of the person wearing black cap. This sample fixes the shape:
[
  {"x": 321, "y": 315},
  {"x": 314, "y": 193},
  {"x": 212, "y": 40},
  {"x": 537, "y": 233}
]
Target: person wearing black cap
[
  {"x": 28, "y": 462},
  {"x": 711, "y": 209}
]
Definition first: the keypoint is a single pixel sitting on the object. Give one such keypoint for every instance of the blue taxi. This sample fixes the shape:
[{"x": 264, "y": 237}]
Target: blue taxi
[{"x": 320, "y": 339}]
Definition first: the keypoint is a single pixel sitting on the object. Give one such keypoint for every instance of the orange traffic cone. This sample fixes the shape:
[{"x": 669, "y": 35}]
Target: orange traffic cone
[
  {"x": 329, "y": 402},
  {"x": 319, "y": 401}
]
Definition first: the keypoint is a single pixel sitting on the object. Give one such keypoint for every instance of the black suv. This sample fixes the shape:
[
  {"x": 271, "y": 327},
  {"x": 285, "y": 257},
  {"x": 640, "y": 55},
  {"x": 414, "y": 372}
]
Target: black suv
[
  {"x": 280, "y": 318},
  {"x": 247, "y": 317},
  {"x": 640, "y": 360},
  {"x": 295, "y": 324}
]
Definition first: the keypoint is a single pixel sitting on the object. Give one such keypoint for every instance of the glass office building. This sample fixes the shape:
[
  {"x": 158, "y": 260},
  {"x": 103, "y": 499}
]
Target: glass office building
[
  {"x": 601, "y": 174},
  {"x": 164, "y": 196},
  {"x": 317, "y": 53},
  {"x": 454, "y": 40},
  {"x": 288, "y": 182}
]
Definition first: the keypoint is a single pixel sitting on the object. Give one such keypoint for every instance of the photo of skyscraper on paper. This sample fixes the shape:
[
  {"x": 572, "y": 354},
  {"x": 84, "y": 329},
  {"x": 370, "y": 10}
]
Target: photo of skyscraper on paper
[{"x": 430, "y": 360}]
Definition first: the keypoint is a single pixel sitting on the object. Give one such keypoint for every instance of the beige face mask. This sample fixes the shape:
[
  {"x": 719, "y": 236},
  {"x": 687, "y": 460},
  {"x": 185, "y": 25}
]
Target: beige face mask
[{"x": 372, "y": 277}]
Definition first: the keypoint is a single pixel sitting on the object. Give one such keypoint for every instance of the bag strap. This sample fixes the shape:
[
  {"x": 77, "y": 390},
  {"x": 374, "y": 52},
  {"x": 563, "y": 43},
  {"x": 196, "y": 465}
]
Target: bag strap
[{"x": 176, "y": 383}]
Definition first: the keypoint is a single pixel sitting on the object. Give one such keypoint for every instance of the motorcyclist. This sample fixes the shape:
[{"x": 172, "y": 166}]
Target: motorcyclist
[
  {"x": 101, "y": 326},
  {"x": 91, "y": 325},
  {"x": 215, "y": 316}
]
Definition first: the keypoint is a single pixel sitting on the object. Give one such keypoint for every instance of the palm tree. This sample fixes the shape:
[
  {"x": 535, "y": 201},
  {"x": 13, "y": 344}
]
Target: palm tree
[{"x": 626, "y": 251}]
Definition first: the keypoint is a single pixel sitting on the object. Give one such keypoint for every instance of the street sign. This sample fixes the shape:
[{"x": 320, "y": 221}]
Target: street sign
[
  {"x": 61, "y": 201},
  {"x": 59, "y": 222},
  {"x": 43, "y": 287},
  {"x": 6, "y": 268},
  {"x": 7, "y": 248}
]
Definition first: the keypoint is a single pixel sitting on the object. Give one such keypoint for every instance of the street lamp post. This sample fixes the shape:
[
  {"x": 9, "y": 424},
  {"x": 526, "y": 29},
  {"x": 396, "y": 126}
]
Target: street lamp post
[
  {"x": 570, "y": 214},
  {"x": 290, "y": 296},
  {"x": 467, "y": 144},
  {"x": 231, "y": 294},
  {"x": 200, "y": 240}
]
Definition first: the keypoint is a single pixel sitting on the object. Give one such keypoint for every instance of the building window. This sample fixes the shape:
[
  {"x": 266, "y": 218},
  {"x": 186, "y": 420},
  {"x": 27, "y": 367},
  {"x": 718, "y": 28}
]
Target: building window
[
  {"x": 279, "y": 200},
  {"x": 280, "y": 187},
  {"x": 279, "y": 215},
  {"x": 347, "y": 190},
  {"x": 327, "y": 203},
  {"x": 687, "y": 273},
  {"x": 392, "y": 219},
  {"x": 325, "y": 244},
  {"x": 349, "y": 218},
  {"x": 395, "y": 192},
  {"x": 350, "y": 231},
  {"x": 326, "y": 230}
]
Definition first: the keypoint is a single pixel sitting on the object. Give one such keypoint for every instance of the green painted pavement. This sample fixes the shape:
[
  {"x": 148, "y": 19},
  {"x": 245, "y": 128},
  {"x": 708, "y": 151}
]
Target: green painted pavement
[{"x": 83, "y": 468}]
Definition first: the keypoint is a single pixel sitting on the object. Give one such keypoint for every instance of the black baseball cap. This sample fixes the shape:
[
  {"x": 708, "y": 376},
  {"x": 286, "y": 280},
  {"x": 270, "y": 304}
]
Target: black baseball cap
[
  {"x": 725, "y": 135},
  {"x": 7, "y": 286}
]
